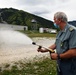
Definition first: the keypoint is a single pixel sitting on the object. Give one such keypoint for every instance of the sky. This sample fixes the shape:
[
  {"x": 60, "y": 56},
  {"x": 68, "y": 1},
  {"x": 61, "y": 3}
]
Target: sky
[{"x": 43, "y": 8}]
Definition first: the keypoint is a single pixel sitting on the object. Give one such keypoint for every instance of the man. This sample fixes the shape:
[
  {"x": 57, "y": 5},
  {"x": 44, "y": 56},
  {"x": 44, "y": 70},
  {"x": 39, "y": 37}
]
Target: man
[{"x": 65, "y": 46}]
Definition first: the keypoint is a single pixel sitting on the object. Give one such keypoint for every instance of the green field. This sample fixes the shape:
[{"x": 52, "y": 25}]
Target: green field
[{"x": 37, "y": 34}]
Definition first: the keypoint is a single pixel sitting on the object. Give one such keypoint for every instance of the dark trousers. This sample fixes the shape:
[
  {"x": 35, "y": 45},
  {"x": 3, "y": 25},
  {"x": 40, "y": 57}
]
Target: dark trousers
[
  {"x": 66, "y": 66},
  {"x": 65, "y": 71}
]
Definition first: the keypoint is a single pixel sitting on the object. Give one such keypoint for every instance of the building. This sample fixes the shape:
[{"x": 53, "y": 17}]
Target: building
[
  {"x": 13, "y": 27},
  {"x": 42, "y": 30}
]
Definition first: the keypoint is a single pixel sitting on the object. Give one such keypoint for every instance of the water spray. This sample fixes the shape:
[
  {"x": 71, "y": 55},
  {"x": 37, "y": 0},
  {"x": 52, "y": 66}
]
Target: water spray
[{"x": 51, "y": 51}]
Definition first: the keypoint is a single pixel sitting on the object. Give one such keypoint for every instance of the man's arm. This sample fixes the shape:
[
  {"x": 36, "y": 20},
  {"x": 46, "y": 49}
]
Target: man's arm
[
  {"x": 68, "y": 54},
  {"x": 52, "y": 47}
]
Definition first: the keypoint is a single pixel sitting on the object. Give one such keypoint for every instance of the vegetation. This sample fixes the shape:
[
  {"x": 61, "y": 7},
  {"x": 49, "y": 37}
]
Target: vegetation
[
  {"x": 37, "y": 34},
  {"x": 20, "y": 17},
  {"x": 41, "y": 66}
]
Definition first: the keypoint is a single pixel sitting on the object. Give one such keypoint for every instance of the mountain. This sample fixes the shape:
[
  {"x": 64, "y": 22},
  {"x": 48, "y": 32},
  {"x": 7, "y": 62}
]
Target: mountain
[
  {"x": 72, "y": 23},
  {"x": 20, "y": 17}
]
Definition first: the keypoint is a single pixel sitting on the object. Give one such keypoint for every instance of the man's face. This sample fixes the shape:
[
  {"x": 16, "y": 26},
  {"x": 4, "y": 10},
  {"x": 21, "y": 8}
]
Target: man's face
[{"x": 56, "y": 21}]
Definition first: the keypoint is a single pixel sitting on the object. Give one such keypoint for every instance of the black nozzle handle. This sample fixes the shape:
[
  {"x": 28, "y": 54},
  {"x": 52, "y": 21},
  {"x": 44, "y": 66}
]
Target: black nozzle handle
[
  {"x": 33, "y": 43},
  {"x": 39, "y": 47}
]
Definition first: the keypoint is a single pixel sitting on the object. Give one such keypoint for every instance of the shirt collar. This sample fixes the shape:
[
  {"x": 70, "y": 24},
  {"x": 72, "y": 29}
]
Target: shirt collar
[{"x": 65, "y": 28}]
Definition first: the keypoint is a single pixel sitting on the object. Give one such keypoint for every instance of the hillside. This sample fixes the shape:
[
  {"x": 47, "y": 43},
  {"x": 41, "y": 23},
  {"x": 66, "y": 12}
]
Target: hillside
[
  {"x": 20, "y": 17},
  {"x": 72, "y": 23}
]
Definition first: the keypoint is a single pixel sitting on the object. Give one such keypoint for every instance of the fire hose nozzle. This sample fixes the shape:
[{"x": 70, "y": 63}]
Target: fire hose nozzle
[
  {"x": 50, "y": 50},
  {"x": 33, "y": 43}
]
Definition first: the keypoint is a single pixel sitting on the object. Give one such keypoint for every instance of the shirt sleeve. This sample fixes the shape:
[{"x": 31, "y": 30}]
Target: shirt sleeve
[{"x": 72, "y": 40}]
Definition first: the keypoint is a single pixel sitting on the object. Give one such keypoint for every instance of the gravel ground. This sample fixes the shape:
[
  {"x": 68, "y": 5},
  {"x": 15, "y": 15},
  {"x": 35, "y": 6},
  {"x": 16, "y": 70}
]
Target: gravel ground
[{"x": 18, "y": 52}]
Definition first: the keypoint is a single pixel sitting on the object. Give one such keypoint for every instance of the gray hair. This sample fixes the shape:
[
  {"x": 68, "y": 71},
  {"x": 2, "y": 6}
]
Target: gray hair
[{"x": 62, "y": 16}]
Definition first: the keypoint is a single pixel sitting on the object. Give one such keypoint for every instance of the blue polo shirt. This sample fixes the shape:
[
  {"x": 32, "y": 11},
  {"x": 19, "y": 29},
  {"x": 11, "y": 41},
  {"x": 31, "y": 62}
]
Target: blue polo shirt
[{"x": 65, "y": 40}]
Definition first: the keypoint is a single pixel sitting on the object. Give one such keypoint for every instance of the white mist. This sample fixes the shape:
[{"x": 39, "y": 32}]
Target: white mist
[{"x": 13, "y": 38}]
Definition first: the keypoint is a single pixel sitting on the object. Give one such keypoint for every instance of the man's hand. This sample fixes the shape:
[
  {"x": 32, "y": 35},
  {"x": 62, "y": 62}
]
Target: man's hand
[
  {"x": 54, "y": 56},
  {"x": 42, "y": 50}
]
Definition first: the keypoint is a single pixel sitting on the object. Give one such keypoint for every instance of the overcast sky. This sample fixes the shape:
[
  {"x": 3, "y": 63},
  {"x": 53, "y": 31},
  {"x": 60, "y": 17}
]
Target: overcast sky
[{"x": 43, "y": 8}]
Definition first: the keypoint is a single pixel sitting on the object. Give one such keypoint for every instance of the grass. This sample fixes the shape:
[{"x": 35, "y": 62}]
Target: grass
[
  {"x": 37, "y": 34},
  {"x": 41, "y": 66}
]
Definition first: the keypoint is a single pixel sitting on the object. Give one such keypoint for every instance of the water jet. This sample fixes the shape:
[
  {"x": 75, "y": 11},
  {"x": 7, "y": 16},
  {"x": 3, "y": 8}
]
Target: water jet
[{"x": 11, "y": 38}]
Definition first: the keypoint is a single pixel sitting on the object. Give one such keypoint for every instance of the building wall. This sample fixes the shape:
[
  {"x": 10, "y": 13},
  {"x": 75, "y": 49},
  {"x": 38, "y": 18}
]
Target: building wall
[{"x": 14, "y": 27}]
